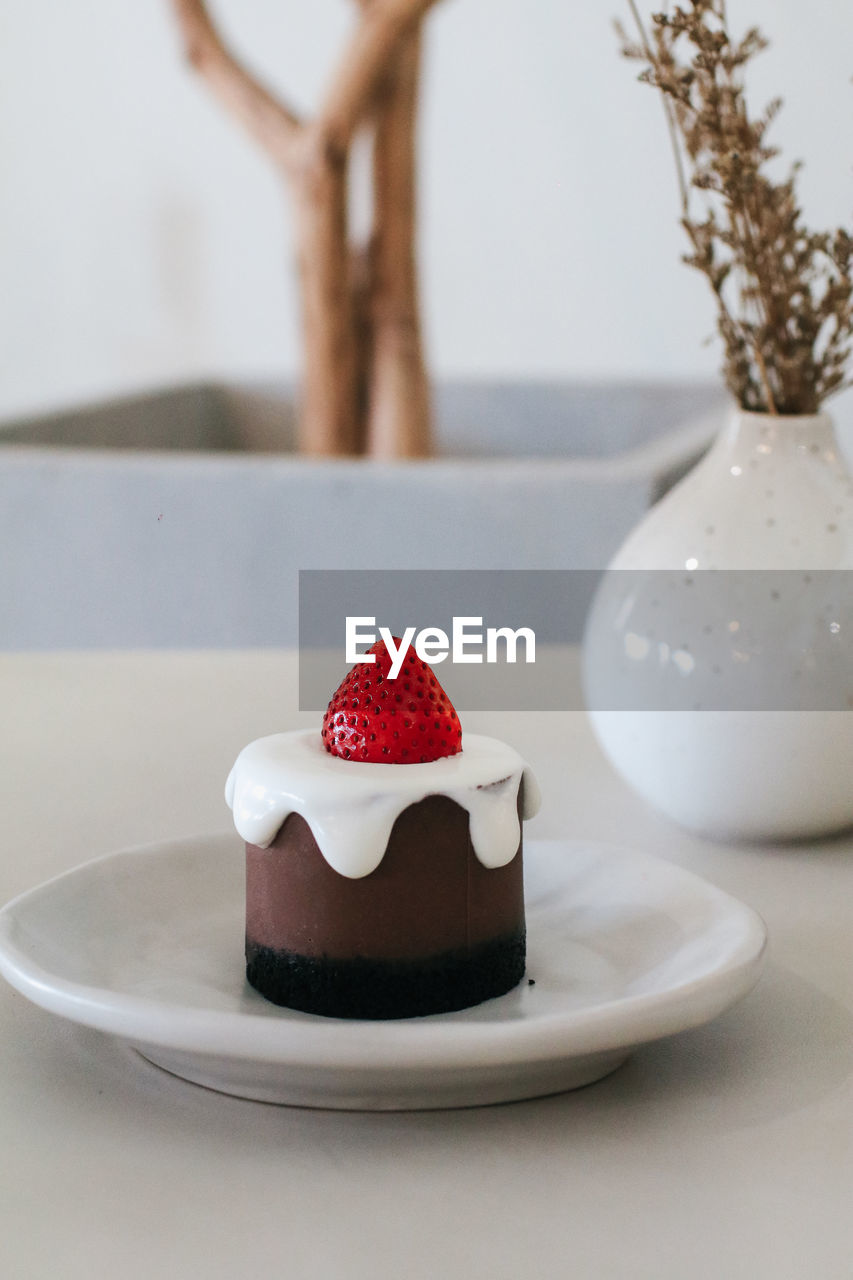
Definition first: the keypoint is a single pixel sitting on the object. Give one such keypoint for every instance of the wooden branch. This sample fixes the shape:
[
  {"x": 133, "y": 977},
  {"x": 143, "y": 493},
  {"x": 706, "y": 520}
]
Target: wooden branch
[
  {"x": 360, "y": 272},
  {"x": 329, "y": 413},
  {"x": 399, "y": 401},
  {"x": 364, "y": 63},
  {"x": 273, "y": 124},
  {"x": 361, "y": 334}
]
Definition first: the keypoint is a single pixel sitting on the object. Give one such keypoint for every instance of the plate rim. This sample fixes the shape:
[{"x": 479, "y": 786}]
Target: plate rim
[{"x": 306, "y": 1040}]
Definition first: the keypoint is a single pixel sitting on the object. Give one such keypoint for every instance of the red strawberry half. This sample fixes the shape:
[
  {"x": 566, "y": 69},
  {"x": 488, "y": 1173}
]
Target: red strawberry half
[{"x": 408, "y": 720}]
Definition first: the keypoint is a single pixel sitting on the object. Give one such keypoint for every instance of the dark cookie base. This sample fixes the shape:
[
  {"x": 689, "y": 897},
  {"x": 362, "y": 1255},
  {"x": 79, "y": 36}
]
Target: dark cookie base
[{"x": 364, "y": 988}]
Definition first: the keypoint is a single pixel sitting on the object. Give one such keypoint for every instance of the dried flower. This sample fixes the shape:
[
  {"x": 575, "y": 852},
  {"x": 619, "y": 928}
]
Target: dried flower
[{"x": 784, "y": 293}]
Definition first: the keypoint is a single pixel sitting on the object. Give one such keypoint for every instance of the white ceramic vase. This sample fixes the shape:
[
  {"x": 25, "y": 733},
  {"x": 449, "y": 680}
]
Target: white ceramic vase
[{"x": 726, "y": 699}]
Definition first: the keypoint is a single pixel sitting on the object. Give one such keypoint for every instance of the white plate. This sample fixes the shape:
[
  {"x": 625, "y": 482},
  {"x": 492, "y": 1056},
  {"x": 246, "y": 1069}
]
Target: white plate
[{"x": 147, "y": 945}]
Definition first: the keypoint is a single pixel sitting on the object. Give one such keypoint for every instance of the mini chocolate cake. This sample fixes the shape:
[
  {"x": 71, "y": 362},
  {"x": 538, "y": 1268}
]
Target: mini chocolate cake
[
  {"x": 382, "y": 890},
  {"x": 430, "y": 929}
]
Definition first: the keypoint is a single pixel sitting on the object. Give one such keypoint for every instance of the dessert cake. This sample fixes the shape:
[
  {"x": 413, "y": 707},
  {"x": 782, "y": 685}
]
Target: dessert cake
[{"x": 384, "y": 854}]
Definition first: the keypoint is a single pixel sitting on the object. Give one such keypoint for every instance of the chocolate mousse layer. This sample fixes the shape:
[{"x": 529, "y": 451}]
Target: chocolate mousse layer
[{"x": 430, "y": 930}]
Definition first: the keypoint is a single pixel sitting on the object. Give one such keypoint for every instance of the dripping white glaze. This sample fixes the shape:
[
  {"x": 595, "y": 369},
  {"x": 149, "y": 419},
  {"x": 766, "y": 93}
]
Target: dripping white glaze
[{"x": 352, "y": 805}]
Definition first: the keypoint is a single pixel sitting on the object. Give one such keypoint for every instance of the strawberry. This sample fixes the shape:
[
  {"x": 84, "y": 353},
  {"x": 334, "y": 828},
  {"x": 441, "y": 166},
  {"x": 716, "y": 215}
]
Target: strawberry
[{"x": 408, "y": 720}]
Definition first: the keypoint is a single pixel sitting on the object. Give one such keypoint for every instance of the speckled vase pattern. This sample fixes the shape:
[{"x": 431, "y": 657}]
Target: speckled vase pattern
[{"x": 726, "y": 698}]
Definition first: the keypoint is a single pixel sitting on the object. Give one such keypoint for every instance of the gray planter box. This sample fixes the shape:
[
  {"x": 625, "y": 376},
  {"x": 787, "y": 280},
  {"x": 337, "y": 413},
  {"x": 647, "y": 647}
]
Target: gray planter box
[{"x": 181, "y": 518}]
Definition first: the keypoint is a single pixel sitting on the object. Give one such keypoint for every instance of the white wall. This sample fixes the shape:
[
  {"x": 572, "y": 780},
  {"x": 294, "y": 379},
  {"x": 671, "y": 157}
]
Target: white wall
[{"x": 143, "y": 240}]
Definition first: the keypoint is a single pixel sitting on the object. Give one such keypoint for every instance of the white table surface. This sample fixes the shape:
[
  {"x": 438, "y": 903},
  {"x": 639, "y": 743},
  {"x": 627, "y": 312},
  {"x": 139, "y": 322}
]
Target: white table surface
[{"x": 724, "y": 1152}]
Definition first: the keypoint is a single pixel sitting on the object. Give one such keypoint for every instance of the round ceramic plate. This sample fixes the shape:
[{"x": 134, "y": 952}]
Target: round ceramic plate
[{"x": 146, "y": 944}]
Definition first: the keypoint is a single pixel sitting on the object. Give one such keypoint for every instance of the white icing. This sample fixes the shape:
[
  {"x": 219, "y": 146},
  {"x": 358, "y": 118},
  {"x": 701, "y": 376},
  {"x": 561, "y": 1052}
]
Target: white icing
[{"x": 351, "y": 805}]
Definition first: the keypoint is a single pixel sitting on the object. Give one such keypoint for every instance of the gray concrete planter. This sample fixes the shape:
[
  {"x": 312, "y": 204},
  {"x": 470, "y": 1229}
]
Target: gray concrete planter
[{"x": 181, "y": 518}]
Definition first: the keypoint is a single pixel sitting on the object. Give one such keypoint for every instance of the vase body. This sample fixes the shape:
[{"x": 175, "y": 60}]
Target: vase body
[{"x": 717, "y": 655}]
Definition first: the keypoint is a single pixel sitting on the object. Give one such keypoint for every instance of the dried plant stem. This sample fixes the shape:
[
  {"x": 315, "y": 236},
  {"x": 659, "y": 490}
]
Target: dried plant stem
[
  {"x": 784, "y": 293},
  {"x": 671, "y": 125},
  {"x": 770, "y": 399},
  {"x": 684, "y": 192},
  {"x": 338, "y": 303}
]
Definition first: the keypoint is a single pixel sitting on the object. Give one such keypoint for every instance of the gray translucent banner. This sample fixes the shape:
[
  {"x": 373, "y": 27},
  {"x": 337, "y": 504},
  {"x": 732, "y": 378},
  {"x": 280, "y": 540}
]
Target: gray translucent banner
[{"x": 652, "y": 640}]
